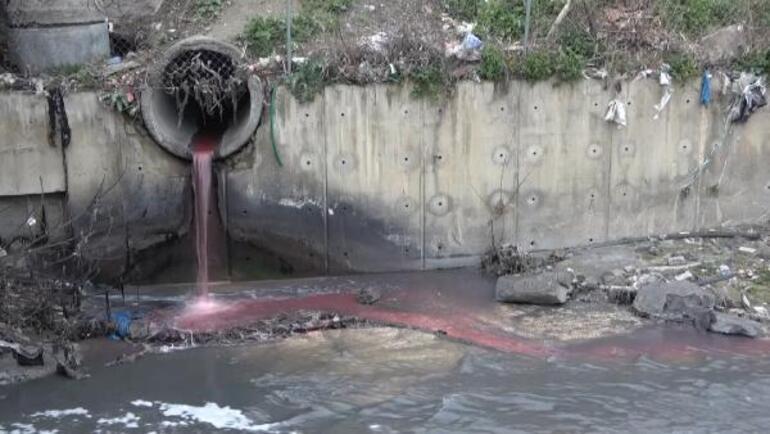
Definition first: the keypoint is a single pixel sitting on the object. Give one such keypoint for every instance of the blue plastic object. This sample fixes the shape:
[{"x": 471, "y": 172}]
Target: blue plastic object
[
  {"x": 705, "y": 88},
  {"x": 122, "y": 322},
  {"x": 471, "y": 42}
]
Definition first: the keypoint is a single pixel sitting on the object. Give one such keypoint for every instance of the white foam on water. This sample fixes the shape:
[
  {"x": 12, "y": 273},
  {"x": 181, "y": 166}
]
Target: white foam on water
[
  {"x": 79, "y": 411},
  {"x": 214, "y": 415},
  {"x": 25, "y": 428},
  {"x": 141, "y": 403},
  {"x": 129, "y": 420}
]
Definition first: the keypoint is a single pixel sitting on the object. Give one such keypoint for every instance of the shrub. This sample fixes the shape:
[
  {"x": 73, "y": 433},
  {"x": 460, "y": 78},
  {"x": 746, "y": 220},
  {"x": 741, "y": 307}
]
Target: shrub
[
  {"x": 578, "y": 41},
  {"x": 264, "y": 33},
  {"x": 683, "y": 65},
  {"x": 492, "y": 64},
  {"x": 569, "y": 65},
  {"x": 429, "y": 82},
  {"x": 330, "y": 6},
  {"x": 502, "y": 19},
  {"x": 757, "y": 61},
  {"x": 466, "y": 10},
  {"x": 537, "y": 66},
  {"x": 207, "y": 8},
  {"x": 308, "y": 80},
  {"x": 695, "y": 17}
]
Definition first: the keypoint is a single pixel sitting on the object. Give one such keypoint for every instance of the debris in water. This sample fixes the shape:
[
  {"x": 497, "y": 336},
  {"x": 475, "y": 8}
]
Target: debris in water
[
  {"x": 508, "y": 259},
  {"x": 368, "y": 296}
]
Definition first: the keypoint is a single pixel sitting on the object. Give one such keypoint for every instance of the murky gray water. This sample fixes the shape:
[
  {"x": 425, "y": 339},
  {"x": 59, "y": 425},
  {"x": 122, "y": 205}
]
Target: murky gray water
[{"x": 386, "y": 380}]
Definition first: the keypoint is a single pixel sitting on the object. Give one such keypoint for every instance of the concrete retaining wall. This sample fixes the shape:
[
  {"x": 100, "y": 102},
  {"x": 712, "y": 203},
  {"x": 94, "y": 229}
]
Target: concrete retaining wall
[{"x": 374, "y": 180}]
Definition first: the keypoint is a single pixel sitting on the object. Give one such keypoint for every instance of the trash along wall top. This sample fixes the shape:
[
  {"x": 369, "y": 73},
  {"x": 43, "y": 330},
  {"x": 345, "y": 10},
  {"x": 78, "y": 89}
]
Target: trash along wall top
[{"x": 201, "y": 84}]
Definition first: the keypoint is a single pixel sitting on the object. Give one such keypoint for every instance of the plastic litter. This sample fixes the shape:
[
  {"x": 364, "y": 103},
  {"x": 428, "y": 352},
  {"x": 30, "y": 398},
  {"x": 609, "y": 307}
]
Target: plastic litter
[
  {"x": 750, "y": 94},
  {"x": 471, "y": 42},
  {"x": 665, "y": 81},
  {"x": 705, "y": 88},
  {"x": 468, "y": 50},
  {"x": 595, "y": 73},
  {"x": 643, "y": 74},
  {"x": 724, "y": 270},
  {"x": 122, "y": 321},
  {"x": 667, "y": 92},
  {"x": 616, "y": 112}
]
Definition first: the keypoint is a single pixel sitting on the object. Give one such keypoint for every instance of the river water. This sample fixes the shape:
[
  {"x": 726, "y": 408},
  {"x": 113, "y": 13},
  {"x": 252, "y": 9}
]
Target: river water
[{"x": 390, "y": 380}]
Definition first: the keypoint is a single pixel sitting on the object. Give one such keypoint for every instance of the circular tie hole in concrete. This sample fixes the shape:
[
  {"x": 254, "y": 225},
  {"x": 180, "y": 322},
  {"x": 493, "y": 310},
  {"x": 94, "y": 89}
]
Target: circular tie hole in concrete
[{"x": 174, "y": 115}]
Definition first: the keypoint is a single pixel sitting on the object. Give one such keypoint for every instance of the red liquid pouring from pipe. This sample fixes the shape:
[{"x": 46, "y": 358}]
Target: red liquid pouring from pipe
[{"x": 203, "y": 149}]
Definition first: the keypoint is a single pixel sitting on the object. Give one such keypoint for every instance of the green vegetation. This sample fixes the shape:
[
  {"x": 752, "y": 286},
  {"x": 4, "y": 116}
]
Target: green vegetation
[
  {"x": 757, "y": 61},
  {"x": 569, "y": 65},
  {"x": 578, "y": 43},
  {"x": 696, "y": 17},
  {"x": 501, "y": 18},
  {"x": 121, "y": 103},
  {"x": 328, "y": 6},
  {"x": 263, "y": 34},
  {"x": 683, "y": 65},
  {"x": 760, "y": 287},
  {"x": 207, "y": 8},
  {"x": 308, "y": 80},
  {"x": 466, "y": 10},
  {"x": 492, "y": 64},
  {"x": 538, "y": 66},
  {"x": 430, "y": 82}
]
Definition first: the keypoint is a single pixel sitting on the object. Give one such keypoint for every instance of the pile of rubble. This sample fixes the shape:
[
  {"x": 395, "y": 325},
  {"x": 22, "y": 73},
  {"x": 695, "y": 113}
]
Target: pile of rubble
[{"x": 718, "y": 282}]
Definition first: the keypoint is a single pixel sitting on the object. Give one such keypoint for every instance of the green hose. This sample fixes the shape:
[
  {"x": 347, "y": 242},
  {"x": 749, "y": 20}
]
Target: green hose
[{"x": 272, "y": 127}]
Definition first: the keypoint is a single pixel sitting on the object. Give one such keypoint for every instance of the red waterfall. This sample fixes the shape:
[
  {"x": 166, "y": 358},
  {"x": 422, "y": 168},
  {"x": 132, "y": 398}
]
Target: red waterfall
[{"x": 203, "y": 155}]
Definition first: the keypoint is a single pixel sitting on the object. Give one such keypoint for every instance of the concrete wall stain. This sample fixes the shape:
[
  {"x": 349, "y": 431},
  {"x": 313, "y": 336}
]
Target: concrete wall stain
[{"x": 375, "y": 180}]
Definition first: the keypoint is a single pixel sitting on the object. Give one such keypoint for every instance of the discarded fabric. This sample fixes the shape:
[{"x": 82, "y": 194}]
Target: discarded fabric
[
  {"x": 122, "y": 322},
  {"x": 705, "y": 88},
  {"x": 616, "y": 112},
  {"x": 665, "y": 81},
  {"x": 750, "y": 94},
  {"x": 663, "y": 101}
]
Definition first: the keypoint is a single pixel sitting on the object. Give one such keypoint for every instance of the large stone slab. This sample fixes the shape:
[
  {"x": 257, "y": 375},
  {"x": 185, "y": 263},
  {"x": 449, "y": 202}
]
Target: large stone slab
[
  {"x": 538, "y": 288},
  {"x": 734, "y": 325},
  {"x": 675, "y": 301}
]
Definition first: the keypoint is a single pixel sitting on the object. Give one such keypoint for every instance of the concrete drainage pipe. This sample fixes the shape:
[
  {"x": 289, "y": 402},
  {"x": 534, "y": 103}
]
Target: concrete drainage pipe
[{"x": 200, "y": 84}]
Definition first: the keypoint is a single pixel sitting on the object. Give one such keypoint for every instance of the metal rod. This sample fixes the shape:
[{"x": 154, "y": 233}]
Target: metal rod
[
  {"x": 528, "y": 6},
  {"x": 288, "y": 36}
]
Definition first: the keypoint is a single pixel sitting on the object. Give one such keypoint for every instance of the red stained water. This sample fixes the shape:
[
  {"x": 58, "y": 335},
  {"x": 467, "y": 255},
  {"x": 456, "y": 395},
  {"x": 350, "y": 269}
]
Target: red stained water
[
  {"x": 465, "y": 323},
  {"x": 203, "y": 149}
]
